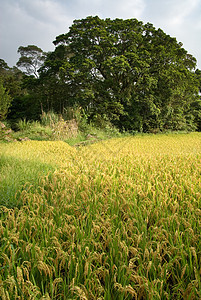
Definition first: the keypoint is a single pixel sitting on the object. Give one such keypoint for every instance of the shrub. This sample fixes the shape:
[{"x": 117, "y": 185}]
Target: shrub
[
  {"x": 23, "y": 125},
  {"x": 49, "y": 118}
]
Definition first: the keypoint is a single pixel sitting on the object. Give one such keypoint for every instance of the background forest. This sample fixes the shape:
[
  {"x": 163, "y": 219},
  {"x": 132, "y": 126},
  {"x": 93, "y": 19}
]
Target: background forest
[{"x": 124, "y": 73}]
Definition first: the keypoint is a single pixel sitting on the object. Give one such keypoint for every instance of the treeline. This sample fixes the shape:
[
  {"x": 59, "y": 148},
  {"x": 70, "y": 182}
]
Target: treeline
[{"x": 122, "y": 72}]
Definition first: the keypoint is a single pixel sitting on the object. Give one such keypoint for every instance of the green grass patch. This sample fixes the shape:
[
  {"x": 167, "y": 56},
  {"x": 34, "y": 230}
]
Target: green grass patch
[{"x": 18, "y": 174}]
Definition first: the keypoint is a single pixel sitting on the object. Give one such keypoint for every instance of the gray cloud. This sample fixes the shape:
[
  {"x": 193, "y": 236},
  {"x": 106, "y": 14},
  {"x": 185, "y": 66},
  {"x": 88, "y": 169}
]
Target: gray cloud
[
  {"x": 38, "y": 22},
  {"x": 30, "y": 22},
  {"x": 180, "y": 19}
]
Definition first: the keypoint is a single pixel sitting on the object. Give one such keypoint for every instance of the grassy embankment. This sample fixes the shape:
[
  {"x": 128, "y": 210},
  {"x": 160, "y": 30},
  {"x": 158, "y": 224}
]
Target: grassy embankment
[{"x": 119, "y": 219}]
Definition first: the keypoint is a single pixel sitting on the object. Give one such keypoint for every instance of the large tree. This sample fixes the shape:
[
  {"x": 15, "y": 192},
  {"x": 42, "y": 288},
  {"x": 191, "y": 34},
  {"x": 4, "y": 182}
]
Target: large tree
[
  {"x": 128, "y": 72},
  {"x": 31, "y": 59},
  {"x": 56, "y": 90}
]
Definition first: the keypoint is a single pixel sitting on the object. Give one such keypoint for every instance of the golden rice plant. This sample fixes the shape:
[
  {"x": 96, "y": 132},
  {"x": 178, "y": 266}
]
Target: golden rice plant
[{"x": 119, "y": 219}]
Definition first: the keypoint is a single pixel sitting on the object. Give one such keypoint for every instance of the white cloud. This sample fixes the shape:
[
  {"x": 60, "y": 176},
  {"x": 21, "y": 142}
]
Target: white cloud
[
  {"x": 129, "y": 8},
  {"x": 180, "y": 11},
  {"x": 107, "y": 8}
]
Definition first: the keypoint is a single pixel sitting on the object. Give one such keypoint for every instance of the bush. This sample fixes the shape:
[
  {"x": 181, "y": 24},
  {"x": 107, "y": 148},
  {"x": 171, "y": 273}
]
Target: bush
[
  {"x": 49, "y": 118},
  {"x": 23, "y": 125}
]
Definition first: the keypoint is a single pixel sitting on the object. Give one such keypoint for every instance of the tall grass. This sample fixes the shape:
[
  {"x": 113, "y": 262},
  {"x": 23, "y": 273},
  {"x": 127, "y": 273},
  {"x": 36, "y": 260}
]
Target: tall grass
[{"x": 120, "y": 219}]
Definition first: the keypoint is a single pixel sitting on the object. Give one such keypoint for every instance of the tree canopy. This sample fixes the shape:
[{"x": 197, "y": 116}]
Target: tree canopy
[
  {"x": 31, "y": 59},
  {"x": 128, "y": 72},
  {"x": 122, "y": 71}
]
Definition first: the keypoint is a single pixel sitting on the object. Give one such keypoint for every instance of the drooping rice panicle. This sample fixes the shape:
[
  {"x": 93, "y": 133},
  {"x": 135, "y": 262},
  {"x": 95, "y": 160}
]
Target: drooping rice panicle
[{"x": 119, "y": 219}]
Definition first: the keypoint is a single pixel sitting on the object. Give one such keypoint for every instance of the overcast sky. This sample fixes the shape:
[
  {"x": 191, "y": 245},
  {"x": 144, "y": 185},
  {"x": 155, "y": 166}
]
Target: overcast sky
[{"x": 38, "y": 22}]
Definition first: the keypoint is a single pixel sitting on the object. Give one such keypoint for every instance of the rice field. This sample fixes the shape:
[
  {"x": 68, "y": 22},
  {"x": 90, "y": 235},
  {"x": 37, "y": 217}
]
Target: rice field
[{"x": 119, "y": 219}]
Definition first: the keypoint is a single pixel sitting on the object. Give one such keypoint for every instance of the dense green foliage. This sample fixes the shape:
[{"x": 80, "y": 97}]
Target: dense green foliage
[
  {"x": 120, "y": 71},
  {"x": 5, "y": 102},
  {"x": 130, "y": 73}
]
